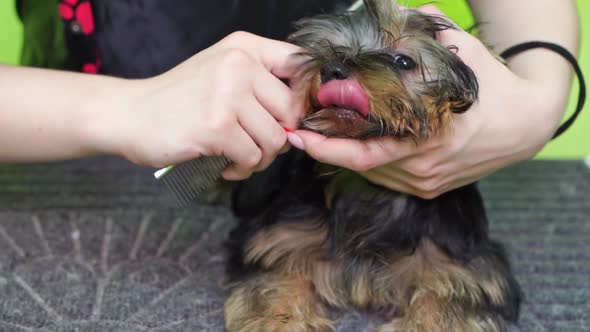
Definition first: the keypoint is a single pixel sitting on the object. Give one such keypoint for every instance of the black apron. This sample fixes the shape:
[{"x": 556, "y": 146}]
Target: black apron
[{"x": 142, "y": 38}]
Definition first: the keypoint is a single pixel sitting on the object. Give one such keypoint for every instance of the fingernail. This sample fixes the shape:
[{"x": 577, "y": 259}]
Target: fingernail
[{"x": 295, "y": 140}]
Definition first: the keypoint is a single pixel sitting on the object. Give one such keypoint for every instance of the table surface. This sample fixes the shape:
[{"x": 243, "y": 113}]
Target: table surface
[{"x": 92, "y": 245}]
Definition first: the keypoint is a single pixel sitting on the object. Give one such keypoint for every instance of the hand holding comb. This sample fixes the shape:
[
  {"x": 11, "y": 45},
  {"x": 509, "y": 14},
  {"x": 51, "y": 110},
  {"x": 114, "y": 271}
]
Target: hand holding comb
[{"x": 189, "y": 179}]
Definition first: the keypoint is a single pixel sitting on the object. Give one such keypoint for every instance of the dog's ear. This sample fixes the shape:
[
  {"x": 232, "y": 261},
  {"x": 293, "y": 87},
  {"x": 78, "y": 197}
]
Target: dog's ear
[
  {"x": 378, "y": 7},
  {"x": 459, "y": 86},
  {"x": 453, "y": 84},
  {"x": 381, "y": 11}
]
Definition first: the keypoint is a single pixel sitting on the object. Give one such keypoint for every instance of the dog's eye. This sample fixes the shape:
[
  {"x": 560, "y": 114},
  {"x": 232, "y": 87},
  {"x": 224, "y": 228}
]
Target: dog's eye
[{"x": 404, "y": 62}]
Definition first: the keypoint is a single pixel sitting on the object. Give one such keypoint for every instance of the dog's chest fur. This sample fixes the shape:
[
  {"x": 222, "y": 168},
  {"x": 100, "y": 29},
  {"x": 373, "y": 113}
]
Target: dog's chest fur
[{"x": 363, "y": 245}]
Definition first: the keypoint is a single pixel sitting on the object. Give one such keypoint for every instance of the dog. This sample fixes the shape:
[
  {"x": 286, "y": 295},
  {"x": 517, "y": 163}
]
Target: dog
[{"x": 326, "y": 237}]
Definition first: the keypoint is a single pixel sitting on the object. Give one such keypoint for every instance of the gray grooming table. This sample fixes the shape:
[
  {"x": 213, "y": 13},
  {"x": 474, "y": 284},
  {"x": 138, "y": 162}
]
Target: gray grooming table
[{"x": 92, "y": 246}]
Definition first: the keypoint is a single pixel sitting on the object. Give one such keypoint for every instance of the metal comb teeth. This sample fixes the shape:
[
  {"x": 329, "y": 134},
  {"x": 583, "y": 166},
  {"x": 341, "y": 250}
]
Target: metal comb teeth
[{"x": 189, "y": 179}]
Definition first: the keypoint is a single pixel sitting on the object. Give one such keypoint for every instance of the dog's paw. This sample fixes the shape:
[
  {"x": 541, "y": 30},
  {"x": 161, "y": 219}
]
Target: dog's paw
[
  {"x": 487, "y": 324},
  {"x": 280, "y": 322},
  {"x": 274, "y": 316},
  {"x": 273, "y": 303},
  {"x": 392, "y": 326}
]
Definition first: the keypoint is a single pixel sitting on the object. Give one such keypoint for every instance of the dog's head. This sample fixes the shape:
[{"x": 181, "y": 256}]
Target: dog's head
[{"x": 379, "y": 71}]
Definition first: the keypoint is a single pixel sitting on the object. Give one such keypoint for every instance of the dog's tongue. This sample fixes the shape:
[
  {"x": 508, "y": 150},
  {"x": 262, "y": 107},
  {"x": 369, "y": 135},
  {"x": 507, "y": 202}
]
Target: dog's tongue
[{"x": 347, "y": 94}]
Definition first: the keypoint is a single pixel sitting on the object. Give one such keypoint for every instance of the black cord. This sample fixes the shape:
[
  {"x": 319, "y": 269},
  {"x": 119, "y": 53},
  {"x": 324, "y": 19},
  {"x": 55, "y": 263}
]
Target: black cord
[{"x": 519, "y": 48}]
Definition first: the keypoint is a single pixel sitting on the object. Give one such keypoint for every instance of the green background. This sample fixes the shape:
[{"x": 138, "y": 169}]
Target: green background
[{"x": 572, "y": 145}]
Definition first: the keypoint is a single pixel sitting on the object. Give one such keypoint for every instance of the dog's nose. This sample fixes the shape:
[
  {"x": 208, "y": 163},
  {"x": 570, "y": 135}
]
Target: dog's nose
[{"x": 334, "y": 70}]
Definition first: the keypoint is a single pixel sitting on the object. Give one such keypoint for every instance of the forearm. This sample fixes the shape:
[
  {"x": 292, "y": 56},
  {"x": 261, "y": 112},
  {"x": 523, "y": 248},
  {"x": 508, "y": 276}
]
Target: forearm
[
  {"x": 51, "y": 115},
  {"x": 505, "y": 23}
]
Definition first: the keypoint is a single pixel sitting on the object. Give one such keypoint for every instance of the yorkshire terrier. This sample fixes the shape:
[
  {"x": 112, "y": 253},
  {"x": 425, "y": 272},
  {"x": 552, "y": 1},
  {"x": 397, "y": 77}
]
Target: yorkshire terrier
[{"x": 323, "y": 237}]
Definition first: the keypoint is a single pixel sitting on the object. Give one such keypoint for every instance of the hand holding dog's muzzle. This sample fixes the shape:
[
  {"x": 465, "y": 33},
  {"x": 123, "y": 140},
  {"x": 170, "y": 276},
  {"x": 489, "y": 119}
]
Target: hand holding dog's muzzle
[{"x": 495, "y": 132}]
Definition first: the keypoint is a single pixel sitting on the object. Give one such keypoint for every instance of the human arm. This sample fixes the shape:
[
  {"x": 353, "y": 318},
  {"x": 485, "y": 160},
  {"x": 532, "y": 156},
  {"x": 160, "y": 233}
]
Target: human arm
[
  {"x": 45, "y": 113},
  {"x": 507, "y": 23},
  {"x": 518, "y": 110},
  {"x": 226, "y": 100}
]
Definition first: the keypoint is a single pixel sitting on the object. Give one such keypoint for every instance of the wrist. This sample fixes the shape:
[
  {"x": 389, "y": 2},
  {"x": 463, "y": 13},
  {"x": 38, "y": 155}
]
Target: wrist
[
  {"x": 552, "y": 82},
  {"x": 541, "y": 116},
  {"x": 548, "y": 89},
  {"x": 107, "y": 118}
]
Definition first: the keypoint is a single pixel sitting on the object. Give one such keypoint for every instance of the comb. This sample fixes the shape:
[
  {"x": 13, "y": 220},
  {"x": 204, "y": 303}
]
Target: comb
[{"x": 189, "y": 179}]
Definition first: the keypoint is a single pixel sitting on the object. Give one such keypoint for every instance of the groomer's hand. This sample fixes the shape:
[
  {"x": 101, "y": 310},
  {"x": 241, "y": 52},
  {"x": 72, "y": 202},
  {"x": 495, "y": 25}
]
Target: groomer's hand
[
  {"x": 226, "y": 100},
  {"x": 512, "y": 121}
]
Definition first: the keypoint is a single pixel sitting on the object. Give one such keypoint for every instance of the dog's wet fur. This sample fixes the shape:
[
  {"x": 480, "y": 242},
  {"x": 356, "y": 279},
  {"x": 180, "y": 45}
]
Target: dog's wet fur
[{"x": 311, "y": 238}]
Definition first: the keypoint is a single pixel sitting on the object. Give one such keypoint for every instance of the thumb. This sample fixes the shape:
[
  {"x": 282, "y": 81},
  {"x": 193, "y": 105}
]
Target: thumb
[
  {"x": 431, "y": 9},
  {"x": 358, "y": 155},
  {"x": 455, "y": 37}
]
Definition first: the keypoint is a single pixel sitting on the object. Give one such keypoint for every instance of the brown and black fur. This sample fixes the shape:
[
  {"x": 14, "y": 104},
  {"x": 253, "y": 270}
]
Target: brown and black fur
[{"x": 312, "y": 236}]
